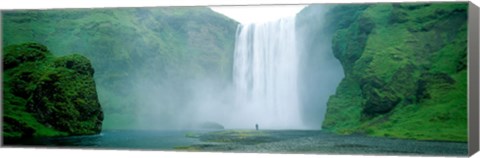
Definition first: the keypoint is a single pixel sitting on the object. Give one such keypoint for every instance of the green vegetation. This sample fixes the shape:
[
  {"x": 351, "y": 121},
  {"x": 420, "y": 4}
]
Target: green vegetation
[
  {"x": 192, "y": 135},
  {"x": 405, "y": 71},
  {"x": 48, "y": 96},
  {"x": 405, "y": 68},
  {"x": 130, "y": 47}
]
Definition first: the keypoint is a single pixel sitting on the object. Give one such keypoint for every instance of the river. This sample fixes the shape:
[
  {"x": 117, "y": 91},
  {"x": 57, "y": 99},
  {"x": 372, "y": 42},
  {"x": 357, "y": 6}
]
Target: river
[{"x": 263, "y": 141}]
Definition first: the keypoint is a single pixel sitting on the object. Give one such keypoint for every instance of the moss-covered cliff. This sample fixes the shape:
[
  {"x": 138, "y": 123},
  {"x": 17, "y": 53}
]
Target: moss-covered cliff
[
  {"x": 135, "y": 52},
  {"x": 45, "y": 95},
  {"x": 405, "y": 70}
]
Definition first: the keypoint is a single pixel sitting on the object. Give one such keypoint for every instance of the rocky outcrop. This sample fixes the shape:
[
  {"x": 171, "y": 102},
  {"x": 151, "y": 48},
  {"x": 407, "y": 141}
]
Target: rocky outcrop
[
  {"x": 405, "y": 73},
  {"x": 48, "y": 96}
]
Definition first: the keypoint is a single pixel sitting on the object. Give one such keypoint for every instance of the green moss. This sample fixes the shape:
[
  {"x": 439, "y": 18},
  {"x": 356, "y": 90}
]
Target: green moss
[
  {"x": 191, "y": 135},
  {"x": 407, "y": 77},
  {"x": 17, "y": 121},
  {"x": 344, "y": 108},
  {"x": 48, "y": 96}
]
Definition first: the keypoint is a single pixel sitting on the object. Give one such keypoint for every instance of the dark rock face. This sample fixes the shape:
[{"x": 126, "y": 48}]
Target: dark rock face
[
  {"x": 376, "y": 100},
  {"x": 58, "y": 92}
]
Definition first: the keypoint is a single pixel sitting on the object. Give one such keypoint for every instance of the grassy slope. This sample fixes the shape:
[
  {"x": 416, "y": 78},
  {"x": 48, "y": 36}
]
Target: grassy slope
[
  {"x": 408, "y": 80},
  {"x": 158, "y": 44},
  {"x": 12, "y": 110}
]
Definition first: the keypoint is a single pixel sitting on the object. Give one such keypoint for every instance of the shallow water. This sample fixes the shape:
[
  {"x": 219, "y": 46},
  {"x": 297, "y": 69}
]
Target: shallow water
[
  {"x": 115, "y": 139},
  {"x": 266, "y": 141}
]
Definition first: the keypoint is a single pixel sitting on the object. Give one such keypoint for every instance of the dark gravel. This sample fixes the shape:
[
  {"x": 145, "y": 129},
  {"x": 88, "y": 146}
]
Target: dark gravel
[{"x": 323, "y": 142}]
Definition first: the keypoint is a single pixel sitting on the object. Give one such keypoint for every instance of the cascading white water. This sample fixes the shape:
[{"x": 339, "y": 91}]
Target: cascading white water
[{"x": 265, "y": 75}]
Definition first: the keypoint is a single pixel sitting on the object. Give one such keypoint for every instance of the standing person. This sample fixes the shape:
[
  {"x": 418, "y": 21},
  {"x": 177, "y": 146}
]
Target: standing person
[{"x": 256, "y": 126}]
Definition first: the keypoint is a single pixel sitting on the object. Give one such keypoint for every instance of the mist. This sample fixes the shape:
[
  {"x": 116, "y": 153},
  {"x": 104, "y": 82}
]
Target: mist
[
  {"x": 187, "y": 104},
  {"x": 321, "y": 72},
  {"x": 279, "y": 76}
]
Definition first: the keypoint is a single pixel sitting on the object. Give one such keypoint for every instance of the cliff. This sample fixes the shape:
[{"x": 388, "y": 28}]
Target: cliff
[
  {"x": 405, "y": 71},
  {"x": 45, "y": 95}
]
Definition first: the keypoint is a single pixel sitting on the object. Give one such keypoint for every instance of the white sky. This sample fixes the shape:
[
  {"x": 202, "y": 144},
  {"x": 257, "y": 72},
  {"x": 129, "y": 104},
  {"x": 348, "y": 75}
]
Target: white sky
[
  {"x": 242, "y": 14},
  {"x": 253, "y": 14}
]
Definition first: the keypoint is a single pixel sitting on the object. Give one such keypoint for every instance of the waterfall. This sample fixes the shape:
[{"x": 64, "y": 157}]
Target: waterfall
[{"x": 265, "y": 76}]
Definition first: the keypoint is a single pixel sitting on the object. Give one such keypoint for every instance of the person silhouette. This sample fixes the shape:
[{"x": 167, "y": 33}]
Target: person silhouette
[{"x": 256, "y": 127}]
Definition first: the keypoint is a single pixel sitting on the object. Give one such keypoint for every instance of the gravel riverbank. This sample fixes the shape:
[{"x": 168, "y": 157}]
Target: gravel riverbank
[{"x": 293, "y": 141}]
